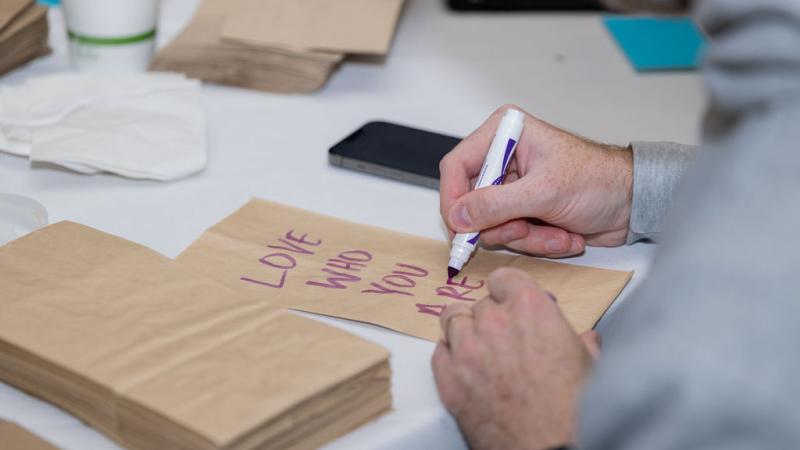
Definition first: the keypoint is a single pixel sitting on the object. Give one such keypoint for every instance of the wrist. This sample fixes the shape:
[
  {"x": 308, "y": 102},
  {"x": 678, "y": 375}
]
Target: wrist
[{"x": 620, "y": 179}]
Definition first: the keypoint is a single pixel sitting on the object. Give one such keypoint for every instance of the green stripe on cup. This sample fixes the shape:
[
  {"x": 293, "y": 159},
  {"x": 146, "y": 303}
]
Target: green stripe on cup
[{"x": 120, "y": 40}]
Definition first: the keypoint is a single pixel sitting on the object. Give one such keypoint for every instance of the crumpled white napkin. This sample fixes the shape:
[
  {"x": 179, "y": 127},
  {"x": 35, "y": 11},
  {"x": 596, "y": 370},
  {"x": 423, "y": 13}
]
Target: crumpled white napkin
[{"x": 138, "y": 125}]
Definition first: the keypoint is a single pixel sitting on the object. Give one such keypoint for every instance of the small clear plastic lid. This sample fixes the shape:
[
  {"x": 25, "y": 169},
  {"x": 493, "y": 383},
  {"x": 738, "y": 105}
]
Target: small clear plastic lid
[{"x": 19, "y": 216}]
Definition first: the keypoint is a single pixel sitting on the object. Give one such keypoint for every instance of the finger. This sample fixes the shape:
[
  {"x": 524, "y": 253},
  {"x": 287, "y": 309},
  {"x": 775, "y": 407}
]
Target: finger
[
  {"x": 490, "y": 206},
  {"x": 442, "y": 365},
  {"x": 452, "y": 390},
  {"x": 464, "y": 162},
  {"x": 507, "y": 283},
  {"x": 441, "y": 360},
  {"x": 504, "y": 233},
  {"x": 591, "y": 340},
  {"x": 451, "y": 311},
  {"x": 459, "y": 329},
  {"x": 511, "y": 176},
  {"x": 541, "y": 240},
  {"x": 545, "y": 240},
  {"x": 454, "y": 319}
]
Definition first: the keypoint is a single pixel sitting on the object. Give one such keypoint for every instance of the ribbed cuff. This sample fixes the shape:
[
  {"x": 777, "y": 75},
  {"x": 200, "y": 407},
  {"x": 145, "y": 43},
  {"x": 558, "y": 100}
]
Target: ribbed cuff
[{"x": 658, "y": 168}]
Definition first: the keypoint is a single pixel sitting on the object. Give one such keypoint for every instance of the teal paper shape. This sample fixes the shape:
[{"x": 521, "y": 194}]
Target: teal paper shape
[{"x": 651, "y": 44}]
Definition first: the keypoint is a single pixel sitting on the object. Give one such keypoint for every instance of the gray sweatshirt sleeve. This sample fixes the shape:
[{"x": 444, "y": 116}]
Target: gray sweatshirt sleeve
[
  {"x": 658, "y": 168},
  {"x": 704, "y": 354}
]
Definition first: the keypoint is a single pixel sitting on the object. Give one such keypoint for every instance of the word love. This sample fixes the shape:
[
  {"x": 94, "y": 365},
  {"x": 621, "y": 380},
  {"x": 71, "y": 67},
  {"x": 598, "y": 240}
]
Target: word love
[{"x": 283, "y": 259}]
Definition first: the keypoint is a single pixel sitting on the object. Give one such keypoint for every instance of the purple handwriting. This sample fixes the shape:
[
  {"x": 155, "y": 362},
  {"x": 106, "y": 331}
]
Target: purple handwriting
[
  {"x": 281, "y": 262},
  {"x": 459, "y": 290},
  {"x": 346, "y": 263},
  {"x": 434, "y": 310},
  {"x": 398, "y": 281},
  {"x": 346, "y": 269}
]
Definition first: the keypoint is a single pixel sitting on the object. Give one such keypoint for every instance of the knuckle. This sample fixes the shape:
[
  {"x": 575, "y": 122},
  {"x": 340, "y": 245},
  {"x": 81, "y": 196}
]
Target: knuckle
[
  {"x": 497, "y": 276},
  {"x": 445, "y": 162}
]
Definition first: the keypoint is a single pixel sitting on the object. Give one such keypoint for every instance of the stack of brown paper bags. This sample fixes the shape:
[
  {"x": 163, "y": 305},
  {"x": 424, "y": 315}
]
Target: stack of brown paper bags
[
  {"x": 288, "y": 46},
  {"x": 156, "y": 356},
  {"x": 23, "y": 33}
]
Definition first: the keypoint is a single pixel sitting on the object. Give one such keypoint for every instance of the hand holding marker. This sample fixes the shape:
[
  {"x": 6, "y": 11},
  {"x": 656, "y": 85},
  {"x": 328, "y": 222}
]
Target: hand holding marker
[{"x": 493, "y": 173}]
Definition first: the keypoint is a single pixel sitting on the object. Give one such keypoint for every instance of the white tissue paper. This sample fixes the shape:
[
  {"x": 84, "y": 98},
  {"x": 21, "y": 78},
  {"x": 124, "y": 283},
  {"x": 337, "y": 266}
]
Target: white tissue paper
[{"x": 138, "y": 125}]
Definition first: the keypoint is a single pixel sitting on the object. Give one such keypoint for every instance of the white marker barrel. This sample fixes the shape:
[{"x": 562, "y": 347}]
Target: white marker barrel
[{"x": 493, "y": 173}]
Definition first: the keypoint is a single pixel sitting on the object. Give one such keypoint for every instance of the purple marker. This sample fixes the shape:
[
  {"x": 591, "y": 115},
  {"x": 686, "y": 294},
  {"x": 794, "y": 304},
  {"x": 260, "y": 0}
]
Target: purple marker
[{"x": 493, "y": 172}]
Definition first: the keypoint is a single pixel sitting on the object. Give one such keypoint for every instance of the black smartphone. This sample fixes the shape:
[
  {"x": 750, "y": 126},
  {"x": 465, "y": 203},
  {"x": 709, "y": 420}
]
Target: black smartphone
[
  {"x": 523, "y": 5},
  {"x": 394, "y": 151}
]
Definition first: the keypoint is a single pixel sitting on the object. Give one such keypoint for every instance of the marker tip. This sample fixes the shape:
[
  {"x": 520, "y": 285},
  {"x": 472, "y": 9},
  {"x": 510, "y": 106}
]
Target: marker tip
[{"x": 452, "y": 272}]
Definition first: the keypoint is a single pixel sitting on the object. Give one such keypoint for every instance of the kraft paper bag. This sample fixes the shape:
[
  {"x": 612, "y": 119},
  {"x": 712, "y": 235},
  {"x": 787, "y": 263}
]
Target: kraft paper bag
[
  {"x": 201, "y": 52},
  {"x": 343, "y": 26},
  {"x": 23, "y": 33},
  {"x": 157, "y": 356},
  {"x": 14, "y": 437},
  {"x": 11, "y": 9},
  {"x": 293, "y": 258}
]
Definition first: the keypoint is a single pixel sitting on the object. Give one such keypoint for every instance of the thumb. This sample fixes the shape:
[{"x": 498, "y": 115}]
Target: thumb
[{"x": 491, "y": 206}]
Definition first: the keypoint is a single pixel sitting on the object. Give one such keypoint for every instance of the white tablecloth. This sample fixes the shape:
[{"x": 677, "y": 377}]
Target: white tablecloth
[{"x": 446, "y": 71}]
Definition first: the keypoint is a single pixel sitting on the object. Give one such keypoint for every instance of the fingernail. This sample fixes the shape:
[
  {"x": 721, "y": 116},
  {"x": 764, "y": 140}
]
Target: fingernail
[
  {"x": 555, "y": 245},
  {"x": 459, "y": 215}
]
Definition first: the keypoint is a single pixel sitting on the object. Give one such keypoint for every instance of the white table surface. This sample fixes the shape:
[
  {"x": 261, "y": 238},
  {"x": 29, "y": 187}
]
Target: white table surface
[{"x": 446, "y": 71}]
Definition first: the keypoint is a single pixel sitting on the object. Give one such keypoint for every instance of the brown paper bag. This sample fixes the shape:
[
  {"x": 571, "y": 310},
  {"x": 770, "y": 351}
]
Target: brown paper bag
[
  {"x": 23, "y": 33},
  {"x": 200, "y": 52},
  {"x": 156, "y": 356},
  {"x": 11, "y": 9},
  {"x": 342, "y": 26},
  {"x": 14, "y": 437},
  {"x": 293, "y": 258}
]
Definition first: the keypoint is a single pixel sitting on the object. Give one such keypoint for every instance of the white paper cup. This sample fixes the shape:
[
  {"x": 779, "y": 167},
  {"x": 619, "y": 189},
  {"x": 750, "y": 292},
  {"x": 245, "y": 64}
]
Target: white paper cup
[
  {"x": 19, "y": 216},
  {"x": 111, "y": 35}
]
